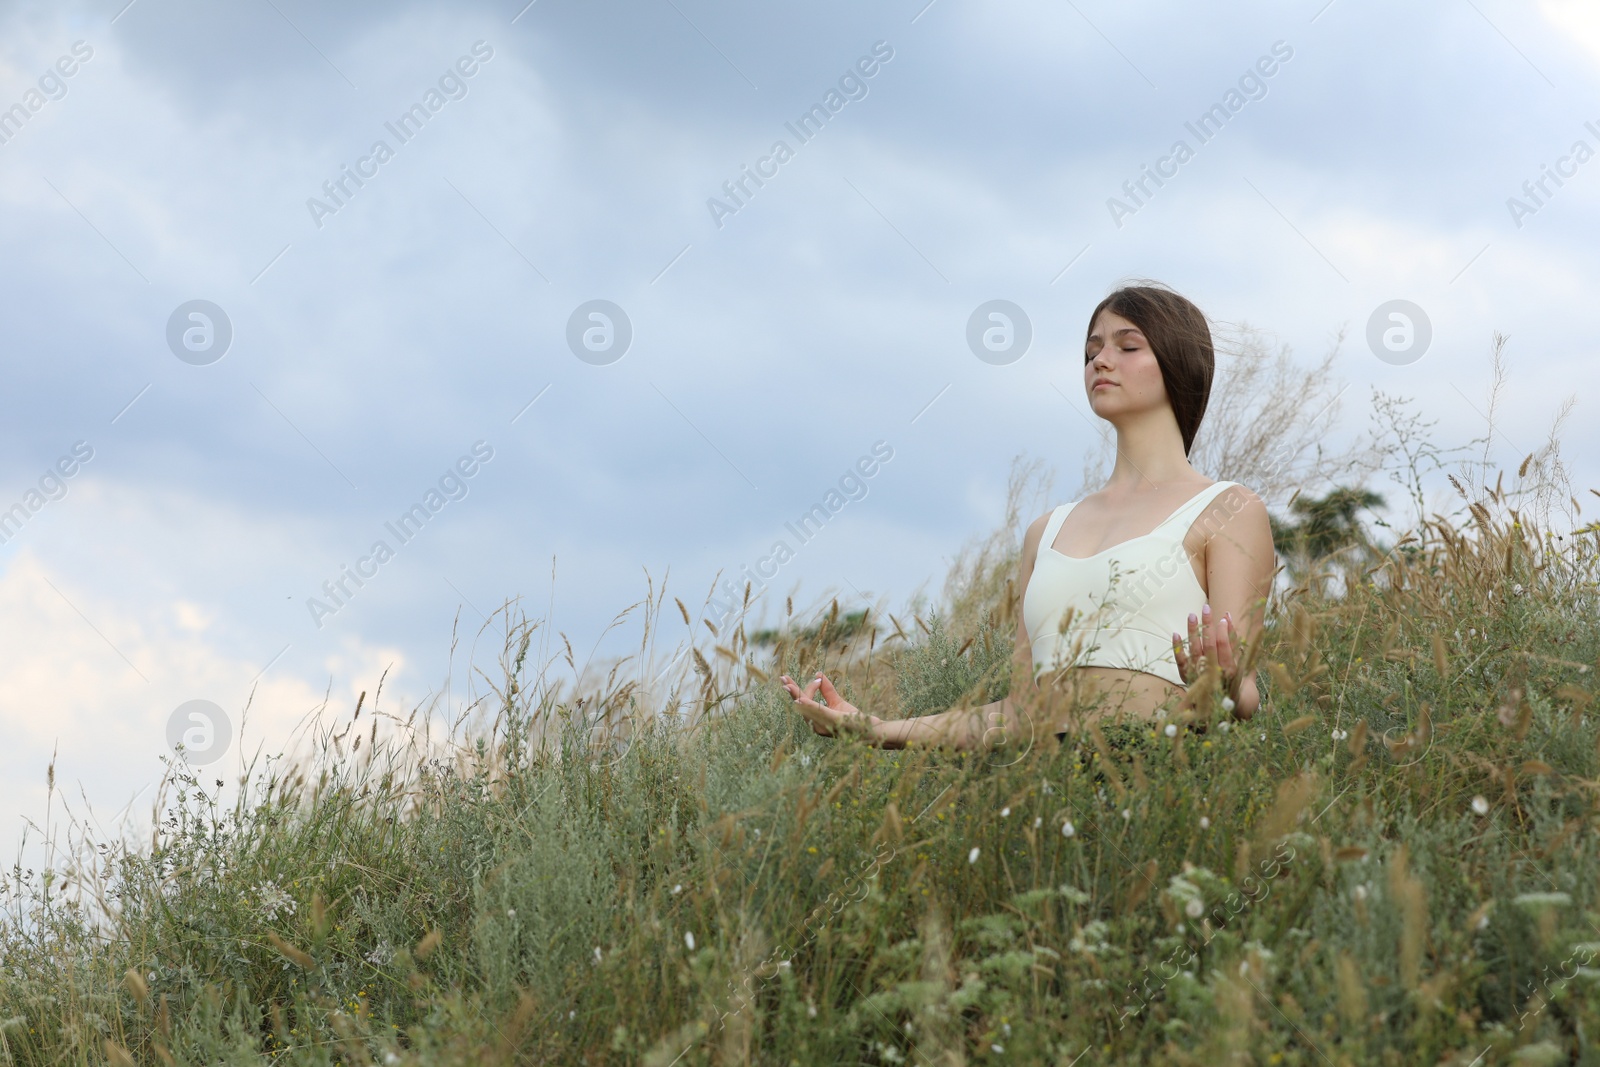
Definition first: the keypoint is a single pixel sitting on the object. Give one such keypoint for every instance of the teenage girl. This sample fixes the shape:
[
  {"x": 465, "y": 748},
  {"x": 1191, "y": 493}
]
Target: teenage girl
[{"x": 1108, "y": 582}]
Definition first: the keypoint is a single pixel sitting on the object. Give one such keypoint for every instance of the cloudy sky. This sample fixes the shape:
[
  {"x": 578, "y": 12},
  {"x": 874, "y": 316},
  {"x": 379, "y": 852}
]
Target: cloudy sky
[{"x": 398, "y": 217}]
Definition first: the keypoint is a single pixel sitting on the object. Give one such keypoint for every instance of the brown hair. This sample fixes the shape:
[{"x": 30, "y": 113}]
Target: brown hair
[{"x": 1180, "y": 337}]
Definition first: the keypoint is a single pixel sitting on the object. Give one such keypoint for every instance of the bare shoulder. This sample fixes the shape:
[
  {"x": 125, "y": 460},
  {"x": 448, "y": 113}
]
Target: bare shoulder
[{"x": 1243, "y": 514}]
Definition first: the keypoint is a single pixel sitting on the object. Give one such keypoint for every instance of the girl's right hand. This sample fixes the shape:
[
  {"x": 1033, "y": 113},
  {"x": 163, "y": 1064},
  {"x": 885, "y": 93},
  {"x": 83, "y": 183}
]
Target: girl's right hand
[{"x": 835, "y": 716}]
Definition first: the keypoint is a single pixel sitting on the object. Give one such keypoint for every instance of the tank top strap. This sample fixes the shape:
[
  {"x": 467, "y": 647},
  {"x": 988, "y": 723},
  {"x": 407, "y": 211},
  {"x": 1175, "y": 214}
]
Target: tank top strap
[
  {"x": 1053, "y": 527},
  {"x": 1185, "y": 515}
]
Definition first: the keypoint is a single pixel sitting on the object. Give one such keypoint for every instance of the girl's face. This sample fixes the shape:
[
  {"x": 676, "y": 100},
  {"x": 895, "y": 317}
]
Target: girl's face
[{"x": 1120, "y": 372}]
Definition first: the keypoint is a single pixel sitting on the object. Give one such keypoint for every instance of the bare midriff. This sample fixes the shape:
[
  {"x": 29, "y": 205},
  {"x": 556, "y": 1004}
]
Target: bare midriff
[{"x": 1074, "y": 696}]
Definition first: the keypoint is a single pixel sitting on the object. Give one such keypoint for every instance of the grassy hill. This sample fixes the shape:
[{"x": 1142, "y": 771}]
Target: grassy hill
[{"x": 1396, "y": 862}]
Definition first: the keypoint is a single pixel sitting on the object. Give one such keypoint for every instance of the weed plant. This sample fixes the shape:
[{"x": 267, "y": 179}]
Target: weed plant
[{"x": 1394, "y": 862}]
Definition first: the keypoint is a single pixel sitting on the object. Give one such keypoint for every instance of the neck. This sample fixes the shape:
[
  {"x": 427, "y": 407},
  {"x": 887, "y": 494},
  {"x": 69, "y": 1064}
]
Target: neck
[{"x": 1149, "y": 452}]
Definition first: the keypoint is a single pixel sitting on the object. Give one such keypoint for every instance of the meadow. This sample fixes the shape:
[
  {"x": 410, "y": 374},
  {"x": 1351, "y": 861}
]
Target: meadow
[{"x": 1395, "y": 862}]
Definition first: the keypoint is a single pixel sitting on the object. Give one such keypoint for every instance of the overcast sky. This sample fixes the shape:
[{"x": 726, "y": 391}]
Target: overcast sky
[{"x": 405, "y": 331}]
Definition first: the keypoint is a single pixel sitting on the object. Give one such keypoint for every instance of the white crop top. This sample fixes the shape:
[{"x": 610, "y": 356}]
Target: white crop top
[{"x": 1129, "y": 599}]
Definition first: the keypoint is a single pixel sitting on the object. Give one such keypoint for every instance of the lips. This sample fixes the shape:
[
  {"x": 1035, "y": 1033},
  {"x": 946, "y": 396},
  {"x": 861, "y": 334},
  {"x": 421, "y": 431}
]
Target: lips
[{"x": 1099, "y": 382}]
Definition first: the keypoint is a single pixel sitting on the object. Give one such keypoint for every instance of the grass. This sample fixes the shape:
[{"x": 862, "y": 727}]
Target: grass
[{"x": 1394, "y": 863}]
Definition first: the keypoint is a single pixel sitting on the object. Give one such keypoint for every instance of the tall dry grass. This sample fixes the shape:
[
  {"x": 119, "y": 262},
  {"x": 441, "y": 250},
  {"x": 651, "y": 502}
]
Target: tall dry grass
[{"x": 1395, "y": 863}]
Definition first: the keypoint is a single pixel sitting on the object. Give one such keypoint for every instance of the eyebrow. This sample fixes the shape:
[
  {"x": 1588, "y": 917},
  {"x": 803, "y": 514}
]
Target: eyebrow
[{"x": 1117, "y": 333}]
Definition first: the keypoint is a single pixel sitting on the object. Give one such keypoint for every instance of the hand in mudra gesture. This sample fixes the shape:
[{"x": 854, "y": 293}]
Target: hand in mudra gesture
[
  {"x": 832, "y": 715},
  {"x": 1213, "y": 644}
]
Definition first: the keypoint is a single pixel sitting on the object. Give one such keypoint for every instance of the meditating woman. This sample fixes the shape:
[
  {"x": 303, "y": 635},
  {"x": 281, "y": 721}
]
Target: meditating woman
[{"x": 1107, "y": 582}]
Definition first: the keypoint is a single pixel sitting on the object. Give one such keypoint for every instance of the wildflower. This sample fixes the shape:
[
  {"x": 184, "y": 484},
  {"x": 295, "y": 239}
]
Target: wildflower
[
  {"x": 996, "y": 1048},
  {"x": 805, "y": 761},
  {"x": 1067, "y": 829},
  {"x": 1516, "y": 588},
  {"x": 811, "y": 1010},
  {"x": 1205, "y": 823},
  {"x": 597, "y": 954},
  {"x": 1195, "y": 908},
  {"x": 1263, "y": 737},
  {"x": 1480, "y": 805},
  {"x": 1359, "y": 892},
  {"x": 380, "y": 955},
  {"x": 1228, "y": 704},
  {"x": 1126, "y": 814},
  {"x": 1340, "y": 735},
  {"x": 1038, "y": 821},
  {"x": 688, "y": 939},
  {"x": 677, "y": 889},
  {"x": 1171, "y": 730},
  {"x": 1004, "y": 812},
  {"x": 390, "y": 1058},
  {"x": 972, "y": 857},
  {"x": 511, "y": 913},
  {"x": 273, "y": 900},
  {"x": 1224, "y": 726}
]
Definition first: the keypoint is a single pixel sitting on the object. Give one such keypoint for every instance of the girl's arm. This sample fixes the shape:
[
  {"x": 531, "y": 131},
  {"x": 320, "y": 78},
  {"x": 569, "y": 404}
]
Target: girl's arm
[
  {"x": 1240, "y": 564},
  {"x": 996, "y": 724}
]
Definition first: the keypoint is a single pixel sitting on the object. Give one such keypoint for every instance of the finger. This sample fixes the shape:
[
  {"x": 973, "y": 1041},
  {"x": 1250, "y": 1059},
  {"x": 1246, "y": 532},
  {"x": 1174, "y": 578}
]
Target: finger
[
  {"x": 829, "y": 692},
  {"x": 1179, "y": 655},
  {"x": 1209, "y": 641},
  {"x": 1225, "y": 647}
]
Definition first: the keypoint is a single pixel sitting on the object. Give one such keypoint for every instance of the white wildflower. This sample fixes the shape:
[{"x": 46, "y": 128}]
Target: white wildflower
[
  {"x": 688, "y": 939},
  {"x": 1359, "y": 892},
  {"x": 1480, "y": 805},
  {"x": 1004, "y": 812},
  {"x": 677, "y": 889},
  {"x": 1126, "y": 814},
  {"x": 1171, "y": 730},
  {"x": 1224, "y": 725},
  {"x": 273, "y": 899},
  {"x": 1340, "y": 735},
  {"x": 972, "y": 857},
  {"x": 1038, "y": 821},
  {"x": 1205, "y": 823},
  {"x": 1228, "y": 704},
  {"x": 390, "y": 1059},
  {"x": 996, "y": 1048},
  {"x": 1194, "y": 909},
  {"x": 1067, "y": 829},
  {"x": 597, "y": 954},
  {"x": 805, "y": 761}
]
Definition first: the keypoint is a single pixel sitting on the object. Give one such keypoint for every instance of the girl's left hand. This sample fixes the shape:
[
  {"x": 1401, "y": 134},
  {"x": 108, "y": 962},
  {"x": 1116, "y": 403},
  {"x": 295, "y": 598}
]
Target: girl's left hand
[{"x": 1211, "y": 643}]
